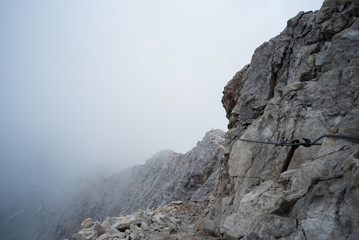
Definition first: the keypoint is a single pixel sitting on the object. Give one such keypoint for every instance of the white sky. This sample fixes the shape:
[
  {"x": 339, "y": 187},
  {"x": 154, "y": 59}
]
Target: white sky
[{"x": 112, "y": 82}]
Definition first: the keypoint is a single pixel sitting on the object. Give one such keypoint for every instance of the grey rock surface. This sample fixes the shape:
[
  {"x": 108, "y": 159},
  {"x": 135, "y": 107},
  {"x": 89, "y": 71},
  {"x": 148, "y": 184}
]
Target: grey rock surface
[
  {"x": 177, "y": 220},
  {"x": 301, "y": 84},
  {"x": 166, "y": 177}
]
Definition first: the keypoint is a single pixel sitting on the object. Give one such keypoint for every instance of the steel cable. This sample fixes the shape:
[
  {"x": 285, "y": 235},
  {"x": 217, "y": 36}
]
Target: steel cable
[
  {"x": 294, "y": 144},
  {"x": 306, "y": 143}
]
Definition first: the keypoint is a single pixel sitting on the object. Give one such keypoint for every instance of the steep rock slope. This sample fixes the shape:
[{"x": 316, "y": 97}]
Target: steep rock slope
[
  {"x": 300, "y": 84},
  {"x": 167, "y": 176}
]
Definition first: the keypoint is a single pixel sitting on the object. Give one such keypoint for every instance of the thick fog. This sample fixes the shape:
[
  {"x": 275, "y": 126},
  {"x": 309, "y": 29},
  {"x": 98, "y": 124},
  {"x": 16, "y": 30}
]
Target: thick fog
[{"x": 98, "y": 86}]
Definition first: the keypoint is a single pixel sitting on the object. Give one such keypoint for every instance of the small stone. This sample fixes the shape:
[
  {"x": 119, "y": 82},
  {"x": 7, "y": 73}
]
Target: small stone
[
  {"x": 108, "y": 236},
  {"x": 135, "y": 229},
  {"x": 156, "y": 227},
  {"x": 123, "y": 223},
  {"x": 176, "y": 202},
  {"x": 167, "y": 230},
  {"x": 143, "y": 217},
  {"x": 144, "y": 226},
  {"x": 86, "y": 223},
  {"x": 134, "y": 236},
  {"x": 128, "y": 232},
  {"x": 87, "y": 234},
  {"x": 98, "y": 228}
]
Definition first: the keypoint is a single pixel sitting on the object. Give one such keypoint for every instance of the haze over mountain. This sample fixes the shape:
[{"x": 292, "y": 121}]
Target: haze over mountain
[
  {"x": 89, "y": 88},
  {"x": 299, "y": 91}
]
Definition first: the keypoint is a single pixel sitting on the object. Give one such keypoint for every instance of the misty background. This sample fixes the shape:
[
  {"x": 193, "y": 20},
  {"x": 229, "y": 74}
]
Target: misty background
[{"x": 92, "y": 87}]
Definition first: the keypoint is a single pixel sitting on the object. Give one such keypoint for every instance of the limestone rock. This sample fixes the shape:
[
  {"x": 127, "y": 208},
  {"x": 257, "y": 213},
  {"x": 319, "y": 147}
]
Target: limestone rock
[
  {"x": 176, "y": 220},
  {"x": 301, "y": 84},
  {"x": 87, "y": 234},
  {"x": 86, "y": 223},
  {"x": 232, "y": 91}
]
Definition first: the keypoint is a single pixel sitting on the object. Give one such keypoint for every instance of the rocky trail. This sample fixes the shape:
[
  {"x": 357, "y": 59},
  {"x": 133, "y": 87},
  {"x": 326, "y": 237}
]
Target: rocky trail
[{"x": 173, "y": 221}]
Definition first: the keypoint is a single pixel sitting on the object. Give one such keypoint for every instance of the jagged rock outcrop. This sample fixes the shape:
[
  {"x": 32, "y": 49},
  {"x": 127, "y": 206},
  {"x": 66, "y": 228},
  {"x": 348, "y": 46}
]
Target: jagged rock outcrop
[
  {"x": 166, "y": 177},
  {"x": 300, "y": 84}
]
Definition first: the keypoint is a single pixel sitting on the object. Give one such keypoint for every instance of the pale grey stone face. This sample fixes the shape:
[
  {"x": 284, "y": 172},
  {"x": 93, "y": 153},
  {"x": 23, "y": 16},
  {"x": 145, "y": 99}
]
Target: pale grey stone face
[{"x": 302, "y": 83}]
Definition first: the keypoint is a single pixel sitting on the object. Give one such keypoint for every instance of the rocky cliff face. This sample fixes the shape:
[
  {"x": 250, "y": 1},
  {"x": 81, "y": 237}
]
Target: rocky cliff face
[
  {"x": 167, "y": 176},
  {"x": 301, "y": 84}
]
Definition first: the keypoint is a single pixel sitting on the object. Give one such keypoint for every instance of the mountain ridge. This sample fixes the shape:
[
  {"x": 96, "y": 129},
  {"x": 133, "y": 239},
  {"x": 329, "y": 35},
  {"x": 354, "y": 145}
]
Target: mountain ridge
[
  {"x": 302, "y": 83},
  {"x": 165, "y": 177}
]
